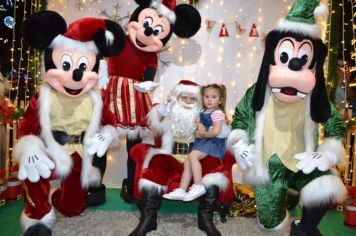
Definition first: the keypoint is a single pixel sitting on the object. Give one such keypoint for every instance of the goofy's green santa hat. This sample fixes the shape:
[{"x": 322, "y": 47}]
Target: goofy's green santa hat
[{"x": 275, "y": 125}]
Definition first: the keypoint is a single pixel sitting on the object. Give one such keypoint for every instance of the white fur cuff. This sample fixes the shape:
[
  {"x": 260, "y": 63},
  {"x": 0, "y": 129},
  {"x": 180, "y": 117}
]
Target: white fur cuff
[
  {"x": 24, "y": 142},
  {"x": 335, "y": 148},
  {"x": 217, "y": 179},
  {"x": 235, "y": 136}
]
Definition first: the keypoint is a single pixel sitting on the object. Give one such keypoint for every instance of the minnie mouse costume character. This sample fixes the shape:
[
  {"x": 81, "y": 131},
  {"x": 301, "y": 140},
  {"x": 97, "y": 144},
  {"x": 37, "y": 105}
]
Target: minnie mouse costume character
[
  {"x": 132, "y": 72},
  {"x": 63, "y": 127},
  {"x": 276, "y": 122}
]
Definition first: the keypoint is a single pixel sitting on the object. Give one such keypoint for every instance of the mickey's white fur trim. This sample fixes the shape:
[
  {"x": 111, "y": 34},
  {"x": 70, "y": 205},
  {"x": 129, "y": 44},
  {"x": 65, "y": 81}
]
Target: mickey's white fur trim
[
  {"x": 322, "y": 191},
  {"x": 218, "y": 179},
  {"x": 165, "y": 11},
  {"x": 61, "y": 159},
  {"x": 335, "y": 150},
  {"x": 149, "y": 185},
  {"x": 132, "y": 133},
  {"x": 89, "y": 174},
  {"x": 284, "y": 224},
  {"x": 313, "y": 31},
  {"x": 24, "y": 142},
  {"x": 235, "y": 136},
  {"x": 109, "y": 38},
  {"x": 48, "y": 220},
  {"x": 103, "y": 74},
  {"x": 63, "y": 42}
]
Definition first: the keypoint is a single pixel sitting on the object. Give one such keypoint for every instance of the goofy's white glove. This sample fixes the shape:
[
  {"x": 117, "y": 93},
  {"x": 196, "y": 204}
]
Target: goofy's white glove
[
  {"x": 309, "y": 161},
  {"x": 34, "y": 164},
  {"x": 145, "y": 87},
  {"x": 243, "y": 154},
  {"x": 101, "y": 142}
]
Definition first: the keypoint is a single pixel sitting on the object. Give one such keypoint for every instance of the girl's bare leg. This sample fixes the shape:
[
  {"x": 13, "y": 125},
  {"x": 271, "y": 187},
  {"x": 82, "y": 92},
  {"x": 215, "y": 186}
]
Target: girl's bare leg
[
  {"x": 186, "y": 176},
  {"x": 194, "y": 158}
]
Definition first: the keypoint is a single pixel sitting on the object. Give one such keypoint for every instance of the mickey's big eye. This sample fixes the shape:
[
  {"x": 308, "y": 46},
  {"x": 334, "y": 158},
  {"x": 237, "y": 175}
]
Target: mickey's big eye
[
  {"x": 157, "y": 30},
  {"x": 66, "y": 62},
  {"x": 83, "y": 63},
  {"x": 285, "y": 54},
  {"x": 147, "y": 22}
]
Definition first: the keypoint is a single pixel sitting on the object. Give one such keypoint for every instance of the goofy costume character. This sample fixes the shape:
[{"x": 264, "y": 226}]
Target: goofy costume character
[
  {"x": 275, "y": 127},
  {"x": 63, "y": 126}
]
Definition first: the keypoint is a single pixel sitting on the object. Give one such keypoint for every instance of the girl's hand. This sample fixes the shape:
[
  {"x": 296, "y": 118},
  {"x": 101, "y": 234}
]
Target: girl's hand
[{"x": 201, "y": 129}]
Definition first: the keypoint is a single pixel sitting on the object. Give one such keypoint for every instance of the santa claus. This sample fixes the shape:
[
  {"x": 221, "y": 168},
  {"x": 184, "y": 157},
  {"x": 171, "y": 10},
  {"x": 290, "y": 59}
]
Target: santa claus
[{"x": 159, "y": 167}]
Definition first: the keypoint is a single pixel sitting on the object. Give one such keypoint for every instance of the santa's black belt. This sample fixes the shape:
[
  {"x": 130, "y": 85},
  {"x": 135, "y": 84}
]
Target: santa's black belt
[
  {"x": 182, "y": 148},
  {"x": 63, "y": 138}
]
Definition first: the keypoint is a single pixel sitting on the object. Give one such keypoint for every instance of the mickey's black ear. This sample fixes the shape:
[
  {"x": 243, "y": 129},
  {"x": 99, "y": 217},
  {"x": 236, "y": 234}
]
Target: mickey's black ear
[
  {"x": 107, "y": 47},
  {"x": 188, "y": 21},
  {"x": 143, "y": 2},
  {"x": 40, "y": 28}
]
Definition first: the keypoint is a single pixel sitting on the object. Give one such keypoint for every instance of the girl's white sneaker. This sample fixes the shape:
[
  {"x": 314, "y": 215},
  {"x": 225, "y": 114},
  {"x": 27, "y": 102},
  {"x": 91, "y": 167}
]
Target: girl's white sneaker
[
  {"x": 176, "y": 194},
  {"x": 194, "y": 192}
]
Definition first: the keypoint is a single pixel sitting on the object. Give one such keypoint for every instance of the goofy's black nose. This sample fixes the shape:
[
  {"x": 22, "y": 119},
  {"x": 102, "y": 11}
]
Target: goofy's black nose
[
  {"x": 77, "y": 75},
  {"x": 296, "y": 64}
]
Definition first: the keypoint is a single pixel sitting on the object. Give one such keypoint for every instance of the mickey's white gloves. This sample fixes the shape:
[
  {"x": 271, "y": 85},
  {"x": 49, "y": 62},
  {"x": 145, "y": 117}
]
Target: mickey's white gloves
[
  {"x": 145, "y": 87},
  {"x": 34, "y": 164},
  {"x": 243, "y": 154},
  {"x": 309, "y": 161},
  {"x": 103, "y": 74},
  {"x": 101, "y": 142}
]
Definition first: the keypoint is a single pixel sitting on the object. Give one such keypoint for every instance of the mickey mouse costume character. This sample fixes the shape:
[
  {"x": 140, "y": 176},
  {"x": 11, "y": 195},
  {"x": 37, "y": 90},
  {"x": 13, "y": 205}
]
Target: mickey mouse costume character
[
  {"x": 132, "y": 72},
  {"x": 62, "y": 127},
  {"x": 276, "y": 122}
]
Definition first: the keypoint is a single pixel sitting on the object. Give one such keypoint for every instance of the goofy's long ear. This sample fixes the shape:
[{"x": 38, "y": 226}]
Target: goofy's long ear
[
  {"x": 188, "y": 21},
  {"x": 268, "y": 59},
  {"x": 40, "y": 28},
  {"x": 319, "y": 104},
  {"x": 112, "y": 40}
]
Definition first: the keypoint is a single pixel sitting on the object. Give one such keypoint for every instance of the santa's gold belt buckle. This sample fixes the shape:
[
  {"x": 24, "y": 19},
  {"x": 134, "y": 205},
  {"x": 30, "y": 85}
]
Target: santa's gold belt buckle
[{"x": 182, "y": 148}]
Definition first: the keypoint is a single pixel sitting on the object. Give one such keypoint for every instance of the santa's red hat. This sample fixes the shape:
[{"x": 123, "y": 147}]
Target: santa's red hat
[
  {"x": 186, "y": 86},
  {"x": 165, "y": 8},
  {"x": 80, "y": 35}
]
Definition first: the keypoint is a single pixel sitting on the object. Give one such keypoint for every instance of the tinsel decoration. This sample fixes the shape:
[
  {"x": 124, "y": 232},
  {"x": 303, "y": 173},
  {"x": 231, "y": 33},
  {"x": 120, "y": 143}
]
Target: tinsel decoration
[
  {"x": 244, "y": 202},
  {"x": 194, "y": 2}
]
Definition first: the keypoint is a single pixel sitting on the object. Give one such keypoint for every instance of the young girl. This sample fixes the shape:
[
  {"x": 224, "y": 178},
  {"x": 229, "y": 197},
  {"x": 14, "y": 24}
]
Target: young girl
[{"x": 208, "y": 142}]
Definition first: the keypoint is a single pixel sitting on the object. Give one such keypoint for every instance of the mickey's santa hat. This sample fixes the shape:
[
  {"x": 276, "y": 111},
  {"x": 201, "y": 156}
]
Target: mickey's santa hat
[
  {"x": 165, "y": 8},
  {"x": 302, "y": 18}
]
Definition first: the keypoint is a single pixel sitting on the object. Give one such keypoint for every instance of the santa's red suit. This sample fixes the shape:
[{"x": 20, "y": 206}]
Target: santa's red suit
[
  {"x": 128, "y": 106},
  {"x": 75, "y": 171},
  {"x": 159, "y": 167}
]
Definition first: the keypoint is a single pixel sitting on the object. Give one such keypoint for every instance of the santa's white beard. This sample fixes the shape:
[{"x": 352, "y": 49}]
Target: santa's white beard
[{"x": 184, "y": 120}]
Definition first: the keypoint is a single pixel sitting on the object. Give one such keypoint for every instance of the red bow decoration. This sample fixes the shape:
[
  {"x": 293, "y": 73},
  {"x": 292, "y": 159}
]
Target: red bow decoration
[{"x": 6, "y": 110}]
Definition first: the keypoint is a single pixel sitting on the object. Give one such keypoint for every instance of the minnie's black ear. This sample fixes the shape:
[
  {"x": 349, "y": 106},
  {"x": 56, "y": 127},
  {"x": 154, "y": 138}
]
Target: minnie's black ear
[
  {"x": 40, "y": 28},
  {"x": 188, "y": 21},
  {"x": 106, "y": 47},
  {"x": 319, "y": 103}
]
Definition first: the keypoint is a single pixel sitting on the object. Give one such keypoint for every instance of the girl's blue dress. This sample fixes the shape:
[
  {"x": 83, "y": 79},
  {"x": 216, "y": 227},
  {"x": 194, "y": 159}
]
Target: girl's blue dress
[{"x": 215, "y": 147}]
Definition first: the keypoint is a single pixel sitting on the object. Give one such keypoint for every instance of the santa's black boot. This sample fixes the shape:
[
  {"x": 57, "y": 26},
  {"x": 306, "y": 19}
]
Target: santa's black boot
[
  {"x": 308, "y": 225},
  {"x": 96, "y": 195},
  {"x": 128, "y": 184},
  {"x": 206, "y": 209},
  {"x": 38, "y": 230},
  {"x": 150, "y": 205}
]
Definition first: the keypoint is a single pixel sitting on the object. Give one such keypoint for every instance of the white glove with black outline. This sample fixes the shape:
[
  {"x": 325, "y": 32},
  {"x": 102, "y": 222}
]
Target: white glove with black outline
[
  {"x": 34, "y": 163},
  {"x": 146, "y": 86},
  {"x": 309, "y": 161},
  {"x": 100, "y": 143},
  {"x": 244, "y": 154}
]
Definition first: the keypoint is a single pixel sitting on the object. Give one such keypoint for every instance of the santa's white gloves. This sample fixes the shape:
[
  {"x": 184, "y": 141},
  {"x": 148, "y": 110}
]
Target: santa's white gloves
[
  {"x": 243, "y": 154},
  {"x": 165, "y": 108},
  {"x": 145, "y": 87},
  {"x": 103, "y": 74},
  {"x": 309, "y": 161},
  {"x": 100, "y": 143},
  {"x": 34, "y": 164}
]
